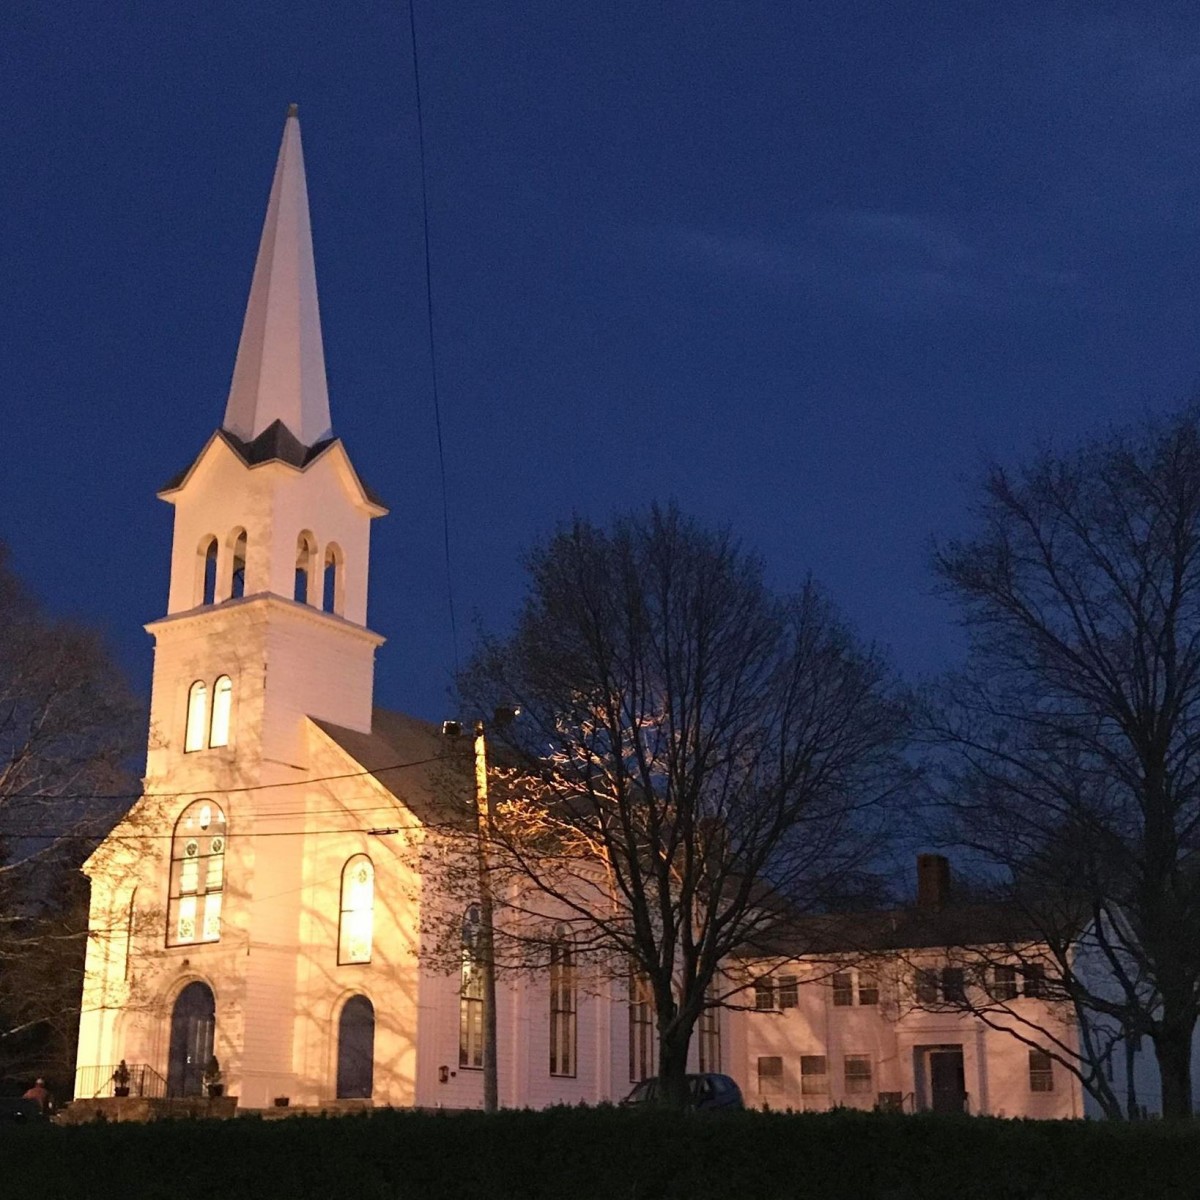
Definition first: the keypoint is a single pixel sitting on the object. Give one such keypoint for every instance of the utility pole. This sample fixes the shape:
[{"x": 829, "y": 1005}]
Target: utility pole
[
  {"x": 486, "y": 946},
  {"x": 483, "y": 821}
]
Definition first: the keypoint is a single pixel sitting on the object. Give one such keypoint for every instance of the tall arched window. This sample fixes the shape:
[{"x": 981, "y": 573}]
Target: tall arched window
[
  {"x": 563, "y": 1004},
  {"x": 470, "y": 994},
  {"x": 237, "y": 581},
  {"x": 206, "y": 570},
  {"x": 197, "y": 875},
  {"x": 197, "y": 717},
  {"x": 356, "y": 1050},
  {"x": 306, "y": 564},
  {"x": 332, "y": 582},
  {"x": 221, "y": 709},
  {"x": 358, "y": 910}
]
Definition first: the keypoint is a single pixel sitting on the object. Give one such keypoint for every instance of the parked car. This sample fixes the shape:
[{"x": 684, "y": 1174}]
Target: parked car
[{"x": 706, "y": 1092}]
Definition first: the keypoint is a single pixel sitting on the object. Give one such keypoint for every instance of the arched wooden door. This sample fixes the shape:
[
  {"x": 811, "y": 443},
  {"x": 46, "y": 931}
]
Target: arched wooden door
[
  {"x": 193, "y": 1021},
  {"x": 356, "y": 1050}
]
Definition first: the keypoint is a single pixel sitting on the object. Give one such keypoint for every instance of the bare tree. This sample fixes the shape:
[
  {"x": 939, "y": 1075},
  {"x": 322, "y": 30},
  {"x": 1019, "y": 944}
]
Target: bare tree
[
  {"x": 1070, "y": 739},
  {"x": 707, "y": 755},
  {"x": 68, "y": 728}
]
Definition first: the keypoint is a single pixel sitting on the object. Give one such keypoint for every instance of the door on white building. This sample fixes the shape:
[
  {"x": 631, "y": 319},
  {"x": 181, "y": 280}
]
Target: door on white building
[
  {"x": 193, "y": 1021},
  {"x": 947, "y": 1080},
  {"x": 356, "y": 1050}
]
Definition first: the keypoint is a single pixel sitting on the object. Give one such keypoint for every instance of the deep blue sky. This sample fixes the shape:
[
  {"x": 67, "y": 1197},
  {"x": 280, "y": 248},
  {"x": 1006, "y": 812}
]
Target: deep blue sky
[{"x": 801, "y": 266}]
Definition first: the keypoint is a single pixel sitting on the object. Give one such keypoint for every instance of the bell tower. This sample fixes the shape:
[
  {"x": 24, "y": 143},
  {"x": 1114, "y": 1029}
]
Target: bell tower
[{"x": 267, "y": 606}]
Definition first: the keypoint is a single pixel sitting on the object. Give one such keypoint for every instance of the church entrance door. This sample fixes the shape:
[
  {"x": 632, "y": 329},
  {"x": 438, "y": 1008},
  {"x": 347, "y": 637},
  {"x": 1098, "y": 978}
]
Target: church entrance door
[
  {"x": 356, "y": 1050},
  {"x": 193, "y": 1021}
]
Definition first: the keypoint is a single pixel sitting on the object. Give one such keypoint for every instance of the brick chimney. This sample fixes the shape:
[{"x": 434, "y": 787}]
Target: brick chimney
[{"x": 933, "y": 881}]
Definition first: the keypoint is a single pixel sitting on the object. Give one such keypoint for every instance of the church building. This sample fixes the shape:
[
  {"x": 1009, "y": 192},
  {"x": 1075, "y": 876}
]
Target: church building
[{"x": 263, "y": 902}]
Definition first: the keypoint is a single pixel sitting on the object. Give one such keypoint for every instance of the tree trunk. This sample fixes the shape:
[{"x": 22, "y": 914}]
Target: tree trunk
[
  {"x": 1173, "y": 1049},
  {"x": 672, "y": 1067}
]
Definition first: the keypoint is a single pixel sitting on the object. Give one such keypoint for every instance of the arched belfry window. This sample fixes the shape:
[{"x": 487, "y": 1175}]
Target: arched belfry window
[
  {"x": 222, "y": 708},
  {"x": 356, "y": 1050},
  {"x": 197, "y": 875},
  {"x": 306, "y": 565},
  {"x": 206, "y": 570},
  {"x": 333, "y": 582},
  {"x": 470, "y": 993},
  {"x": 197, "y": 717},
  {"x": 358, "y": 910},
  {"x": 237, "y": 580}
]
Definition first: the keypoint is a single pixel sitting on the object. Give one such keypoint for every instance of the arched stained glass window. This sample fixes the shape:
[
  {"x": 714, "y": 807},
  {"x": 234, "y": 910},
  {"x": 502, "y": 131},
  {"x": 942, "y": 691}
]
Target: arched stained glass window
[
  {"x": 197, "y": 717},
  {"x": 358, "y": 910},
  {"x": 197, "y": 875},
  {"x": 470, "y": 993},
  {"x": 221, "y": 709}
]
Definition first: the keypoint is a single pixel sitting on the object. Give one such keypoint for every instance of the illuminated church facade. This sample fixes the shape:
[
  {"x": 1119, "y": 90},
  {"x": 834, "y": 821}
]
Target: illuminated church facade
[{"x": 263, "y": 901}]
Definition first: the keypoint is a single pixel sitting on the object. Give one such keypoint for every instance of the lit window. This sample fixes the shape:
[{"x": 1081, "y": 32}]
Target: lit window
[
  {"x": 470, "y": 994},
  {"x": 641, "y": 1028},
  {"x": 843, "y": 989},
  {"x": 563, "y": 1014},
  {"x": 770, "y": 1075},
  {"x": 787, "y": 994},
  {"x": 358, "y": 910},
  {"x": 814, "y": 1075},
  {"x": 197, "y": 875},
  {"x": 1004, "y": 984},
  {"x": 858, "y": 1074},
  {"x": 197, "y": 716},
  {"x": 1041, "y": 1071},
  {"x": 222, "y": 704}
]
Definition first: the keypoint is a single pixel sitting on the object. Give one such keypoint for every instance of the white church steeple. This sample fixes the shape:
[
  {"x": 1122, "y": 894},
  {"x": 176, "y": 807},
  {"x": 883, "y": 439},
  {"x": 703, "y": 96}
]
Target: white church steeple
[{"x": 280, "y": 370}]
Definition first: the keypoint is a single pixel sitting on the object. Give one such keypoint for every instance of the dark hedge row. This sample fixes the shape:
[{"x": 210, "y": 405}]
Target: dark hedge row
[{"x": 604, "y": 1154}]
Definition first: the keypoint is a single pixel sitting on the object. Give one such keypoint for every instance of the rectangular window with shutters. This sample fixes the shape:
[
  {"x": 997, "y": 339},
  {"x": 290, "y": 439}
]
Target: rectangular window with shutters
[
  {"x": 1004, "y": 983},
  {"x": 843, "y": 989},
  {"x": 814, "y": 1075},
  {"x": 925, "y": 986},
  {"x": 954, "y": 988},
  {"x": 858, "y": 1074}
]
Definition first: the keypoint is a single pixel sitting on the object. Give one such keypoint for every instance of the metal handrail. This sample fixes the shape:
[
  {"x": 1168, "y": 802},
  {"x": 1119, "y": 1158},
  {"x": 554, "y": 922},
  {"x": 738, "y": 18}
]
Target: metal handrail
[{"x": 144, "y": 1080}]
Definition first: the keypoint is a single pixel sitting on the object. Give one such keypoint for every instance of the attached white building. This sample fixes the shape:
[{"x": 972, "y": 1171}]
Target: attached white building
[{"x": 263, "y": 900}]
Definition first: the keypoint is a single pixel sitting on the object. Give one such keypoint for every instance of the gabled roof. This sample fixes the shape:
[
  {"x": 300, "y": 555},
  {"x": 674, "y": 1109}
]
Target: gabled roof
[
  {"x": 276, "y": 443},
  {"x": 430, "y": 787},
  {"x": 915, "y": 928}
]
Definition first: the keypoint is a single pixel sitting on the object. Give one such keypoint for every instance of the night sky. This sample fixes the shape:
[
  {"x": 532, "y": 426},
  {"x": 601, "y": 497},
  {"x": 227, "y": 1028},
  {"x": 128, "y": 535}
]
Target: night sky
[{"x": 803, "y": 267}]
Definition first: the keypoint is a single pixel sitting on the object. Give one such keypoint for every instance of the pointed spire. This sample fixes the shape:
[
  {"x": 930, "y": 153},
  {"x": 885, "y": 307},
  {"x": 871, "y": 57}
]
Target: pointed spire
[{"x": 280, "y": 369}]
